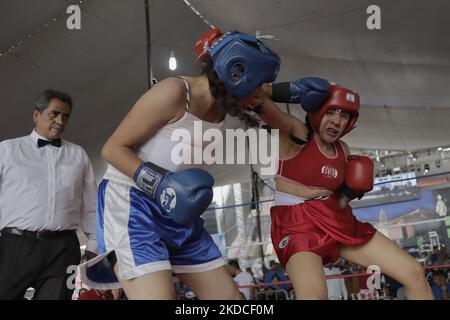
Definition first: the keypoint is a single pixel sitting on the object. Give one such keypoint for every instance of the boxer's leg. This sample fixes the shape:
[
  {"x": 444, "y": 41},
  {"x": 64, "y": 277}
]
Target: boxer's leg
[
  {"x": 392, "y": 261},
  {"x": 151, "y": 286},
  {"x": 214, "y": 284},
  {"x": 305, "y": 270}
]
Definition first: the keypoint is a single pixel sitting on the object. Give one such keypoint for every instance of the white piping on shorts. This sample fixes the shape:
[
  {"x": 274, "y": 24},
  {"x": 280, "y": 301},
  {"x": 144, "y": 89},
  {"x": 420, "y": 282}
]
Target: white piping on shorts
[{"x": 202, "y": 267}]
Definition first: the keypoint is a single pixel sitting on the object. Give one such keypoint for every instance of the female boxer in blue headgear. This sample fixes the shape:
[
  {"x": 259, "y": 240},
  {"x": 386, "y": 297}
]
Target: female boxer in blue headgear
[{"x": 149, "y": 206}]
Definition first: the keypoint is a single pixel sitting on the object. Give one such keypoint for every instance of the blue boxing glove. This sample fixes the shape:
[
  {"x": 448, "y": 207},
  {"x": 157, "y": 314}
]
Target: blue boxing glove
[
  {"x": 183, "y": 196},
  {"x": 310, "y": 92}
]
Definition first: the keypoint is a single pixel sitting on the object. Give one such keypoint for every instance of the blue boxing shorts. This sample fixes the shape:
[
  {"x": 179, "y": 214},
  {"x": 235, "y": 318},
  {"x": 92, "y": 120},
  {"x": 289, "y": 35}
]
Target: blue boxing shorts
[{"x": 144, "y": 239}]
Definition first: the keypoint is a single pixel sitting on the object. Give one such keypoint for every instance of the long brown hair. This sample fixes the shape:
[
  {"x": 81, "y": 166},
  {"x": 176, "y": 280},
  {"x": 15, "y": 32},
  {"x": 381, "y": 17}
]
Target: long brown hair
[
  {"x": 228, "y": 101},
  {"x": 310, "y": 129}
]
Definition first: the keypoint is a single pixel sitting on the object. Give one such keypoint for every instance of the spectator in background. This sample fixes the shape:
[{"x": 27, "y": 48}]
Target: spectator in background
[
  {"x": 242, "y": 278},
  {"x": 276, "y": 270},
  {"x": 440, "y": 287},
  {"x": 433, "y": 256},
  {"x": 256, "y": 280},
  {"x": 392, "y": 287},
  {"x": 441, "y": 208},
  {"x": 249, "y": 270},
  {"x": 441, "y": 259},
  {"x": 336, "y": 287},
  {"x": 275, "y": 292},
  {"x": 437, "y": 257},
  {"x": 351, "y": 283},
  {"x": 365, "y": 292},
  {"x": 80, "y": 292},
  {"x": 94, "y": 294},
  {"x": 276, "y": 267},
  {"x": 118, "y": 294}
]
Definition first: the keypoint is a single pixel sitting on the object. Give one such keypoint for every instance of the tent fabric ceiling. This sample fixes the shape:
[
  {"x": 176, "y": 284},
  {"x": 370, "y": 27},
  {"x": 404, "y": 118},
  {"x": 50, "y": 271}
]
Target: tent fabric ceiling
[
  {"x": 401, "y": 71},
  {"x": 404, "y": 65}
]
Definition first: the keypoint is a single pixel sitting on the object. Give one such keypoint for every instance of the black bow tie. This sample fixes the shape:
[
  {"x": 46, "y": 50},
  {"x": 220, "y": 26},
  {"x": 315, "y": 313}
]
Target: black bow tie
[{"x": 41, "y": 143}]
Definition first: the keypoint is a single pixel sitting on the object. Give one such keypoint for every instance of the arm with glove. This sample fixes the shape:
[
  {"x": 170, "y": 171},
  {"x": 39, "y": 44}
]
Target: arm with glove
[
  {"x": 184, "y": 195},
  {"x": 309, "y": 92}
]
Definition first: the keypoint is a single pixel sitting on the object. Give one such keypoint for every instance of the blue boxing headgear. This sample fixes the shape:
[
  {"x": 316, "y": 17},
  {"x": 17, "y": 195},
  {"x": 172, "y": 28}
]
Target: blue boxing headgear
[{"x": 243, "y": 63}]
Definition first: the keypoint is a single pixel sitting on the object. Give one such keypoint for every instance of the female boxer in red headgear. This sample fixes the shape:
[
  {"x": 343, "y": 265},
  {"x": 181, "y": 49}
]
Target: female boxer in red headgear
[
  {"x": 149, "y": 205},
  {"x": 312, "y": 222}
]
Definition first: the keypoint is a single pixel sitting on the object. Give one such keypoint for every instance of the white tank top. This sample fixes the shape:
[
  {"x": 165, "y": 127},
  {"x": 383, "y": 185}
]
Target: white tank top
[{"x": 158, "y": 149}]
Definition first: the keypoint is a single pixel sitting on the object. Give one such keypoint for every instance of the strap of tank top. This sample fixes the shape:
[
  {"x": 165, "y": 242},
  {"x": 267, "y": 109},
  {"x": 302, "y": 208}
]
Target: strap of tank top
[{"x": 188, "y": 95}]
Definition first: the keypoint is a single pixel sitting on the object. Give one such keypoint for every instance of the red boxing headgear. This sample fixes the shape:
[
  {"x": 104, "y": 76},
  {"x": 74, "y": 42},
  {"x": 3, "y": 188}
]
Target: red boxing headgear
[
  {"x": 206, "y": 41},
  {"x": 338, "y": 98}
]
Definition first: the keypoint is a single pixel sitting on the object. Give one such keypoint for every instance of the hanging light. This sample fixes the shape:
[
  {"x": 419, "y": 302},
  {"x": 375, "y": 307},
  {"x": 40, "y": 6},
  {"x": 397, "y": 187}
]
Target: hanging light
[{"x": 172, "y": 61}]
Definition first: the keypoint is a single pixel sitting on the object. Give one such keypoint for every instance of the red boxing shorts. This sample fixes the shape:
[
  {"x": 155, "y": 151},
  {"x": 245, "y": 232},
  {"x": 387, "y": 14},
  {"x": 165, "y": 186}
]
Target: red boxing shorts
[{"x": 318, "y": 226}]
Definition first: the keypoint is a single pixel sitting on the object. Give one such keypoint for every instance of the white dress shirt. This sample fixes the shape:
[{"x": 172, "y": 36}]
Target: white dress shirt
[
  {"x": 47, "y": 188},
  {"x": 336, "y": 287},
  {"x": 244, "y": 278}
]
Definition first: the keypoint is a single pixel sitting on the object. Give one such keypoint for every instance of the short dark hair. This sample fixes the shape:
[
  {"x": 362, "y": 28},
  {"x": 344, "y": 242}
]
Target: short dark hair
[
  {"x": 47, "y": 95},
  {"x": 235, "y": 264},
  {"x": 437, "y": 273}
]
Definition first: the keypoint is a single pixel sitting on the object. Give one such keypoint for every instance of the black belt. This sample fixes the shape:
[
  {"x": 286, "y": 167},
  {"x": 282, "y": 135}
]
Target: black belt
[{"x": 43, "y": 234}]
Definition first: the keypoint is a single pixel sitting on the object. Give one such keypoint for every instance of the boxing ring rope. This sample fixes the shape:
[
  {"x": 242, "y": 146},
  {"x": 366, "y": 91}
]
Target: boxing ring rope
[
  {"x": 376, "y": 184},
  {"x": 337, "y": 276},
  {"x": 254, "y": 203}
]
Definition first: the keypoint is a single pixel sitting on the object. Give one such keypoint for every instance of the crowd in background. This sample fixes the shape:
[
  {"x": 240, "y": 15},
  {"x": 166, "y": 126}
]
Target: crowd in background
[
  {"x": 276, "y": 283},
  {"x": 362, "y": 287}
]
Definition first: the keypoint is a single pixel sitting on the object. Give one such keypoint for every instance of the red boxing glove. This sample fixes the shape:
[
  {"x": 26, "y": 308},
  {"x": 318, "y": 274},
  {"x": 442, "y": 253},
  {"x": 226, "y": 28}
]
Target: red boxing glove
[
  {"x": 358, "y": 177},
  {"x": 358, "y": 180},
  {"x": 205, "y": 42}
]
